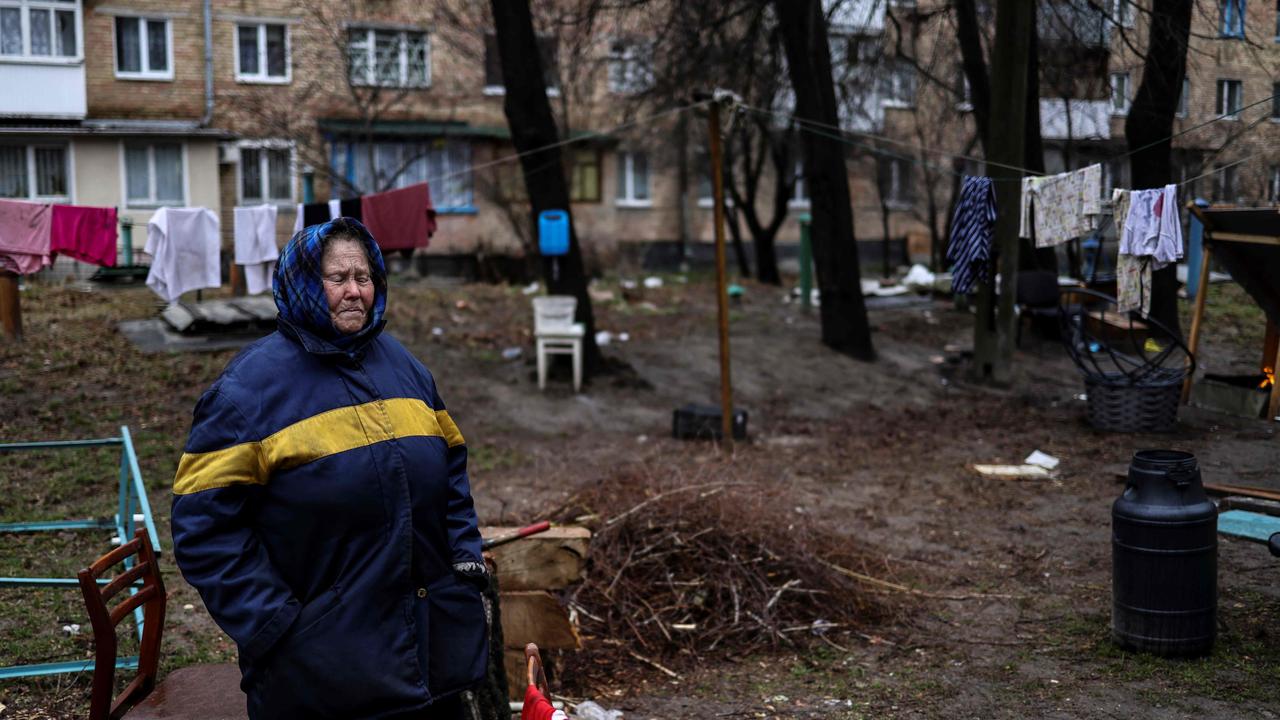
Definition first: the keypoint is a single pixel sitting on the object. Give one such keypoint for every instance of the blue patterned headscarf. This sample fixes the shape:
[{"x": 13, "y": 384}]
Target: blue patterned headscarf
[{"x": 299, "y": 288}]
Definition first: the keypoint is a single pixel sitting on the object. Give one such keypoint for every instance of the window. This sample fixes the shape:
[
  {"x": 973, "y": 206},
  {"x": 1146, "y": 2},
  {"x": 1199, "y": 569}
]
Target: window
[
  {"x": 389, "y": 58},
  {"x": 894, "y": 182},
  {"x": 1119, "y": 93},
  {"x": 153, "y": 174},
  {"x": 1185, "y": 98},
  {"x": 900, "y": 85},
  {"x": 143, "y": 50},
  {"x": 40, "y": 29},
  {"x": 800, "y": 195},
  {"x": 445, "y": 163},
  {"x": 493, "y": 84},
  {"x": 1232, "y": 18},
  {"x": 584, "y": 176},
  {"x": 1273, "y": 188},
  {"x": 1230, "y": 98},
  {"x": 262, "y": 53},
  {"x": 33, "y": 172},
  {"x": 266, "y": 172},
  {"x": 630, "y": 66},
  {"x": 1277, "y": 20},
  {"x": 1224, "y": 184},
  {"x": 633, "y": 180},
  {"x": 1122, "y": 12}
]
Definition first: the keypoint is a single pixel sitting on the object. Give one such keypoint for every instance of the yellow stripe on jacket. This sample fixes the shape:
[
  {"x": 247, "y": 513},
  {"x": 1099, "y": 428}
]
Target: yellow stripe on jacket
[{"x": 316, "y": 437}]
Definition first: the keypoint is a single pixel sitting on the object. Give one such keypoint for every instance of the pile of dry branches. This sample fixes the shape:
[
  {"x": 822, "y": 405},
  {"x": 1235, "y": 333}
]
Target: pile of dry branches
[{"x": 717, "y": 567}]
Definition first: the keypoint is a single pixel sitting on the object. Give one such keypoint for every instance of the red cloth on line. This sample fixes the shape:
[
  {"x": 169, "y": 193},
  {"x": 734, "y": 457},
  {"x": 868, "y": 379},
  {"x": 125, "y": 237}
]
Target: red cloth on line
[
  {"x": 87, "y": 234},
  {"x": 24, "y": 236},
  {"x": 400, "y": 219},
  {"x": 536, "y": 707}
]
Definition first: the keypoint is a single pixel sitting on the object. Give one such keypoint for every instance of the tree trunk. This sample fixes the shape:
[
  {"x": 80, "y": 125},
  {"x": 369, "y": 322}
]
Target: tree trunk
[
  {"x": 1030, "y": 256},
  {"x": 735, "y": 234},
  {"x": 1006, "y": 145},
  {"x": 1148, "y": 128},
  {"x": 974, "y": 63},
  {"x": 843, "y": 312},
  {"x": 533, "y": 131}
]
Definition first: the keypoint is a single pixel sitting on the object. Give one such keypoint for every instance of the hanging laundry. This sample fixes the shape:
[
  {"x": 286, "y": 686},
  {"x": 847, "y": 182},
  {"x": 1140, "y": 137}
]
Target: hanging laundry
[
  {"x": 24, "y": 236},
  {"x": 255, "y": 245},
  {"x": 316, "y": 213},
  {"x": 969, "y": 249},
  {"x": 351, "y": 207},
  {"x": 183, "y": 244},
  {"x": 1133, "y": 273},
  {"x": 335, "y": 209},
  {"x": 1153, "y": 226},
  {"x": 400, "y": 219},
  {"x": 1064, "y": 206},
  {"x": 87, "y": 234}
]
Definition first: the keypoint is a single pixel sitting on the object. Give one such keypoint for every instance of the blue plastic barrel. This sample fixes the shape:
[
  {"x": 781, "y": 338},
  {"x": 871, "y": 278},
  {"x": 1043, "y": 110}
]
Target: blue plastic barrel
[{"x": 553, "y": 232}]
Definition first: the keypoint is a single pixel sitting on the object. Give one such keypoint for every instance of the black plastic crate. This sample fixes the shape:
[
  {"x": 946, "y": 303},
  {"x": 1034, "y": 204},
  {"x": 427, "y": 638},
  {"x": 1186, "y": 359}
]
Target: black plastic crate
[{"x": 702, "y": 422}]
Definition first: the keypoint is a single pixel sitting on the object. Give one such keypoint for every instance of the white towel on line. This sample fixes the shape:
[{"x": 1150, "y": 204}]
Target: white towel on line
[
  {"x": 183, "y": 244},
  {"x": 255, "y": 245}
]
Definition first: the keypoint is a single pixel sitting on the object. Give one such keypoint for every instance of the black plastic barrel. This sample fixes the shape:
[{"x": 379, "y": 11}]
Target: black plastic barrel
[{"x": 1164, "y": 555}]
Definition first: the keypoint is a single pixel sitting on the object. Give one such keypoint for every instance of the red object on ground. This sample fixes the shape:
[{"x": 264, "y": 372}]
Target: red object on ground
[
  {"x": 87, "y": 234},
  {"x": 400, "y": 219},
  {"x": 536, "y": 707}
]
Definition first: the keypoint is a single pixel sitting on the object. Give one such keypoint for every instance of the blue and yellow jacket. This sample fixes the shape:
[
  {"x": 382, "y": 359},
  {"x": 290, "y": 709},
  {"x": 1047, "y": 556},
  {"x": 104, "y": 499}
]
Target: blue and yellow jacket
[{"x": 319, "y": 508}]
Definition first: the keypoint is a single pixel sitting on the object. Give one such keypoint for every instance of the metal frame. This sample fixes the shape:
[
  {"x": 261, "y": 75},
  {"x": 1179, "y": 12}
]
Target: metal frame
[{"x": 132, "y": 507}]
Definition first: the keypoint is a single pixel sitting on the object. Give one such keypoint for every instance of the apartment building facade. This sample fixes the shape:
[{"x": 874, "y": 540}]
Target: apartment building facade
[{"x": 139, "y": 104}]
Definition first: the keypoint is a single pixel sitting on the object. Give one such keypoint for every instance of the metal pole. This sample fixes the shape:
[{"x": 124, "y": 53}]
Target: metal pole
[
  {"x": 10, "y": 307},
  {"x": 722, "y": 298},
  {"x": 126, "y": 235},
  {"x": 806, "y": 263}
]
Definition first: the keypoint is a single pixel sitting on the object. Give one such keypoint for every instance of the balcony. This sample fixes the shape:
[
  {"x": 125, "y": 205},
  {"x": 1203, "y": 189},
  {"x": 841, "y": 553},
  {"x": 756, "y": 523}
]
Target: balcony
[{"x": 42, "y": 59}]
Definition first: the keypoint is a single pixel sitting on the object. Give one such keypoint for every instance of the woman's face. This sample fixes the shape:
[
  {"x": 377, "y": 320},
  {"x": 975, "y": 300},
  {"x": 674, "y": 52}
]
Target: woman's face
[{"x": 348, "y": 284}]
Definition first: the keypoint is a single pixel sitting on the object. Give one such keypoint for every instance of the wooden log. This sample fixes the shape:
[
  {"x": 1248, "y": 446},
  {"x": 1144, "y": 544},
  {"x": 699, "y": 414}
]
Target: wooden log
[
  {"x": 10, "y": 307},
  {"x": 535, "y": 616},
  {"x": 547, "y": 561},
  {"x": 517, "y": 682}
]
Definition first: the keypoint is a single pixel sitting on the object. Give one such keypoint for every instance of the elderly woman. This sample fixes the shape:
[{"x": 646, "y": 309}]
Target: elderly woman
[{"x": 322, "y": 507}]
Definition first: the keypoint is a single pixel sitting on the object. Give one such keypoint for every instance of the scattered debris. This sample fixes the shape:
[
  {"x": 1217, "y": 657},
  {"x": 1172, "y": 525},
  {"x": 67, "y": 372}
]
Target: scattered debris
[
  {"x": 512, "y": 353},
  {"x": 600, "y": 296},
  {"x": 437, "y": 331},
  {"x": 624, "y": 337},
  {"x": 1012, "y": 471},
  {"x": 919, "y": 278},
  {"x": 531, "y": 288},
  {"x": 603, "y": 338},
  {"x": 589, "y": 710},
  {"x": 462, "y": 305},
  {"x": 627, "y": 284},
  {"x": 653, "y": 282},
  {"x": 71, "y": 630},
  {"x": 1044, "y": 460},
  {"x": 188, "y": 608}
]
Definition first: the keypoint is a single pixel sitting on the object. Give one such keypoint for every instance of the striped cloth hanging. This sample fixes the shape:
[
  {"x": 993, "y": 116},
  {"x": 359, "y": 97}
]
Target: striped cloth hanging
[{"x": 971, "y": 230}]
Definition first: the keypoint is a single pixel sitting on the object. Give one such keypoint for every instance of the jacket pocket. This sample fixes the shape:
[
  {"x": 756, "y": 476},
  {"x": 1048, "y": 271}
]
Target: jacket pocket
[
  {"x": 314, "y": 613},
  {"x": 457, "y": 636}
]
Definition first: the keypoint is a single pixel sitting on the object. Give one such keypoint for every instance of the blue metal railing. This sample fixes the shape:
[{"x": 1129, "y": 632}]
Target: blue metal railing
[{"x": 132, "y": 507}]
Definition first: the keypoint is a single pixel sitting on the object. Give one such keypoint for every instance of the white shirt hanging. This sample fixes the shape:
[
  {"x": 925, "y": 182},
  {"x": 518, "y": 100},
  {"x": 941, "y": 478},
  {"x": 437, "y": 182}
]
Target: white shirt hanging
[
  {"x": 183, "y": 244},
  {"x": 255, "y": 245}
]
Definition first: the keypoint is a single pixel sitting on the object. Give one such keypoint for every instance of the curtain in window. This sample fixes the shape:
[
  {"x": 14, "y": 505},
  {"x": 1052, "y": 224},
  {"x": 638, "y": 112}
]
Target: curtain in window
[
  {"x": 11, "y": 31},
  {"x": 51, "y": 172},
  {"x": 128, "y": 45},
  {"x": 137, "y": 172},
  {"x": 157, "y": 46},
  {"x": 13, "y": 171},
  {"x": 276, "y": 60},
  {"x": 250, "y": 173},
  {"x": 168, "y": 159},
  {"x": 41, "y": 39},
  {"x": 358, "y": 56},
  {"x": 248, "y": 44},
  {"x": 386, "y": 52},
  {"x": 640, "y": 176},
  {"x": 278, "y": 178},
  {"x": 66, "y": 33},
  {"x": 418, "y": 74}
]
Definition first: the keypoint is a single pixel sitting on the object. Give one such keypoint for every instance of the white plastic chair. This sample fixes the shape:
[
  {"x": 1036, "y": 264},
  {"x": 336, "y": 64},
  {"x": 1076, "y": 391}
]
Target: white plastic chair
[{"x": 556, "y": 333}]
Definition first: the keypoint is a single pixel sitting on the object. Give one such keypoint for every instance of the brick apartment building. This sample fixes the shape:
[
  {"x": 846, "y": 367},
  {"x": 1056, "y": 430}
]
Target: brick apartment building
[{"x": 139, "y": 104}]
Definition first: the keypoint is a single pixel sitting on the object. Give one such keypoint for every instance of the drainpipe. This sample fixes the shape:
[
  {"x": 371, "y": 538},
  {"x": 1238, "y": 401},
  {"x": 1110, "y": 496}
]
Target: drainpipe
[{"x": 208, "y": 64}]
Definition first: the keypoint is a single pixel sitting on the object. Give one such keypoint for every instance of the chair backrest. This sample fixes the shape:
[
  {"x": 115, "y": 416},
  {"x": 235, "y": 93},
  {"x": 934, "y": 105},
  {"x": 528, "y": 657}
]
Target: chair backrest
[
  {"x": 551, "y": 311},
  {"x": 151, "y": 598}
]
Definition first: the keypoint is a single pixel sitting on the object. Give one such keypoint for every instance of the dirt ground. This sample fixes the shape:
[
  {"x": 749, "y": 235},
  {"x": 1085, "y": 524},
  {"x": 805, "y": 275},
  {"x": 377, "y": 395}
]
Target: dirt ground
[{"x": 1011, "y": 612}]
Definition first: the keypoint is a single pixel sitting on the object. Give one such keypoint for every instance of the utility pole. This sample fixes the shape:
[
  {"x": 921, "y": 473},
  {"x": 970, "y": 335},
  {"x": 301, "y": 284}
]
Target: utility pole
[{"x": 722, "y": 297}]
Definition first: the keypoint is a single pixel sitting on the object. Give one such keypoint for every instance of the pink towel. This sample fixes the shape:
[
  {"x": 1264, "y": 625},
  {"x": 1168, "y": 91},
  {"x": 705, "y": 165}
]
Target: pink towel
[
  {"x": 24, "y": 236},
  {"x": 400, "y": 219},
  {"x": 87, "y": 234}
]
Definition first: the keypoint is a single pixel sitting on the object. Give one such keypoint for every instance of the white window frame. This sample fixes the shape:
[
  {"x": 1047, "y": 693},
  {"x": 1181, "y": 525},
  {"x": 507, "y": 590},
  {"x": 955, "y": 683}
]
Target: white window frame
[
  {"x": 897, "y": 187},
  {"x": 635, "y": 58},
  {"x": 629, "y": 199},
  {"x": 1224, "y": 100},
  {"x": 1122, "y": 12},
  {"x": 32, "y": 181},
  {"x": 1120, "y": 88},
  {"x": 371, "y": 50},
  {"x": 24, "y": 8},
  {"x": 151, "y": 203},
  {"x": 144, "y": 58},
  {"x": 553, "y": 91},
  {"x": 261, "y": 77},
  {"x": 269, "y": 144},
  {"x": 897, "y": 73}
]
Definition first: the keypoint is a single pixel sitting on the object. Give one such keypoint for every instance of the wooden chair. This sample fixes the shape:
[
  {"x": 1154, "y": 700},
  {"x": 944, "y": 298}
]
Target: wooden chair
[{"x": 207, "y": 692}]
